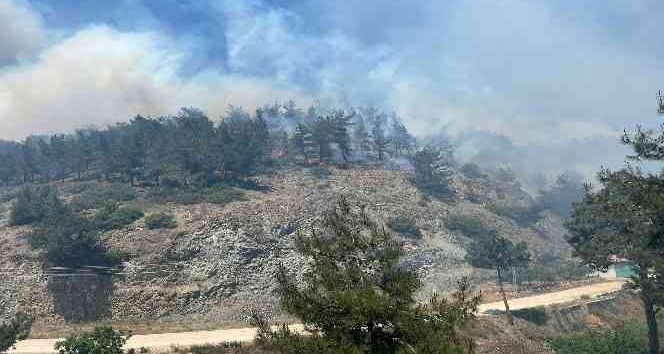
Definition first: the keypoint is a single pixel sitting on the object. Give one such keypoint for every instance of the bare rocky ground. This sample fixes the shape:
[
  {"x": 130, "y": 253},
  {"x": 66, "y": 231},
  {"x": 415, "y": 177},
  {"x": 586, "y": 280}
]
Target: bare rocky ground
[{"x": 219, "y": 263}]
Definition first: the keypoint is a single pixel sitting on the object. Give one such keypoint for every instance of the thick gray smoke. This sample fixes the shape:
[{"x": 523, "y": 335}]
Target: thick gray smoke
[{"x": 554, "y": 78}]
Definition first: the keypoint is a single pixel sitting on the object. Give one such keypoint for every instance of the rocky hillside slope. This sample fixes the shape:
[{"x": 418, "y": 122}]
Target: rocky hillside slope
[{"x": 219, "y": 263}]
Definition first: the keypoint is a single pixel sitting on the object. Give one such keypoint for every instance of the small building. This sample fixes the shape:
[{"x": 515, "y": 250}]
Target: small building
[{"x": 620, "y": 268}]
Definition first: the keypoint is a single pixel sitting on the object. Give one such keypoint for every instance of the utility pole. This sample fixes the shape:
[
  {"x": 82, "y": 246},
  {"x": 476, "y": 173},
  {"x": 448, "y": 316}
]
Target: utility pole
[{"x": 660, "y": 102}]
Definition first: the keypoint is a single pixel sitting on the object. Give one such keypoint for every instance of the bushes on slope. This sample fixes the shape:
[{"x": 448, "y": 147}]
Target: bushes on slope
[{"x": 160, "y": 221}]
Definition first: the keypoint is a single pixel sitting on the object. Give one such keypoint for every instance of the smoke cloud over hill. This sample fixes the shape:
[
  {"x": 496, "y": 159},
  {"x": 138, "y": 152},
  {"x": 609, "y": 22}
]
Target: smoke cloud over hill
[{"x": 555, "y": 80}]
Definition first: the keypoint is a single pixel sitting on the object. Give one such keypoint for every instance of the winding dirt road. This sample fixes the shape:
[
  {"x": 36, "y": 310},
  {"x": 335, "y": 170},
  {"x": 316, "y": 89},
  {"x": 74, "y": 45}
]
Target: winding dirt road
[{"x": 163, "y": 342}]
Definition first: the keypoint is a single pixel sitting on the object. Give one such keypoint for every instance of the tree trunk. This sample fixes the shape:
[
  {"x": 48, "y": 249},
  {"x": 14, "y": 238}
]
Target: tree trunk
[
  {"x": 510, "y": 320},
  {"x": 653, "y": 339},
  {"x": 649, "y": 308},
  {"x": 515, "y": 283}
]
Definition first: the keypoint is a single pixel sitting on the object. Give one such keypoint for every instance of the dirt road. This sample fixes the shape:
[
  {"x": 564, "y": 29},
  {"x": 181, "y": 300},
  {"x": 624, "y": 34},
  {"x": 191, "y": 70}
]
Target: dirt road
[
  {"x": 558, "y": 297},
  {"x": 156, "y": 342},
  {"x": 163, "y": 342}
]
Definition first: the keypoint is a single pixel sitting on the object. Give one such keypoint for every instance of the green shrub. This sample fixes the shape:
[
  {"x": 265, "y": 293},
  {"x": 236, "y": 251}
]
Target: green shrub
[
  {"x": 103, "y": 194},
  {"x": 116, "y": 257},
  {"x": 535, "y": 315},
  {"x": 78, "y": 188},
  {"x": 102, "y": 340},
  {"x": 178, "y": 195},
  {"x": 203, "y": 180},
  {"x": 36, "y": 205},
  {"x": 405, "y": 226},
  {"x": 160, "y": 221},
  {"x": 468, "y": 225},
  {"x": 113, "y": 217},
  {"x": 631, "y": 339},
  {"x": 522, "y": 215},
  {"x": 16, "y": 329},
  {"x": 70, "y": 240},
  {"x": 222, "y": 196},
  {"x": 229, "y": 347},
  {"x": 66, "y": 237},
  {"x": 433, "y": 172}
]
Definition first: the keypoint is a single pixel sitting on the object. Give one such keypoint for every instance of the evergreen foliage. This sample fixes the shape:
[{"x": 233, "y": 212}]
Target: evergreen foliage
[
  {"x": 67, "y": 237},
  {"x": 405, "y": 226},
  {"x": 500, "y": 254},
  {"x": 401, "y": 140},
  {"x": 18, "y": 328},
  {"x": 361, "y": 138},
  {"x": 35, "y": 205},
  {"x": 624, "y": 219},
  {"x": 433, "y": 172},
  {"x": 357, "y": 297},
  {"x": 170, "y": 150},
  {"x": 100, "y": 194},
  {"x": 647, "y": 145},
  {"x": 378, "y": 137},
  {"x": 102, "y": 340},
  {"x": 160, "y": 221},
  {"x": 630, "y": 339},
  {"x": 69, "y": 240},
  {"x": 524, "y": 215},
  {"x": 567, "y": 190},
  {"x": 469, "y": 226},
  {"x": 113, "y": 216}
]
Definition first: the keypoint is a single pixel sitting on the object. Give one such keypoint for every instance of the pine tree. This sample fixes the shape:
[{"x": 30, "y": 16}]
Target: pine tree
[
  {"x": 433, "y": 172},
  {"x": 624, "y": 219},
  {"x": 59, "y": 155},
  {"x": 341, "y": 122},
  {"x": 246, "y": 141},
  {"x": 498, "y": 253},
  {"x": 259, "y": 144},
  {"x": 379, "y": 141},
  {"x": 567, "y": 190},
  {"x": 195, "y": 133},
  {"x": 357, "y": 297},
  {"x": 8, "y": 167},
  {"x": 28, "y": 159},
  {"x": 361, "y": 139},
  {"x": 401, "y": 139},
  {"x": 106, "y": 148},
  {"x": 322, "y": 130}
]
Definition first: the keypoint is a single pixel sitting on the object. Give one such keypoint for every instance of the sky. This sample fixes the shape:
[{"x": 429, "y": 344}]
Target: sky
[{"x": 546, "y": 84}]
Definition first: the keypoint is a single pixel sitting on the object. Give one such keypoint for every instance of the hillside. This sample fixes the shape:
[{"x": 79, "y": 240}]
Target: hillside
[{"x": 219, "y": 262}]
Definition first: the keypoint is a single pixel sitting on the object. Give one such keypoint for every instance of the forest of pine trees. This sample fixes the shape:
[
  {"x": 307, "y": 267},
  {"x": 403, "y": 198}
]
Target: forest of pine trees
[{"x": 175, "y": 149}]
